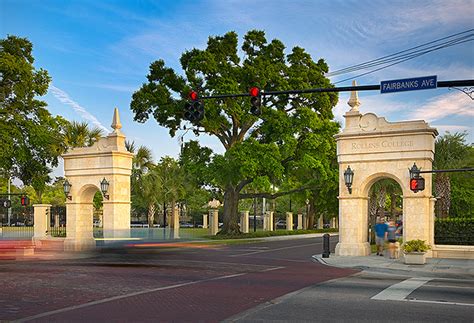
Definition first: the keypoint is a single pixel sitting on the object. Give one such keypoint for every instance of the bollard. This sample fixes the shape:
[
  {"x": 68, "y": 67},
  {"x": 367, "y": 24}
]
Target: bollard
[{"x": 326, "y": 248}]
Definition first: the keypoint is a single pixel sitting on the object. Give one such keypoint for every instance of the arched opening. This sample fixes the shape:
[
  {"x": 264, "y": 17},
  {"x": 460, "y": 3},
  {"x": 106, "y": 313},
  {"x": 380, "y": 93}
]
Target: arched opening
[
  {"x": 84, "y": 215},
  {"x": 385, "y": 203}
]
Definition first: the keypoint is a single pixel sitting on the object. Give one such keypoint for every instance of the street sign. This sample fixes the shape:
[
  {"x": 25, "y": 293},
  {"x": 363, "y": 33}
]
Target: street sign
[{"x": 411, "y": 84}]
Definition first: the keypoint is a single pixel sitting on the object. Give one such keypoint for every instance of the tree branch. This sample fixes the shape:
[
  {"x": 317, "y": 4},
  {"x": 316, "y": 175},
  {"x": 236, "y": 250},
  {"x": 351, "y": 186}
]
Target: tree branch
[{"x": 241, "y": 185}]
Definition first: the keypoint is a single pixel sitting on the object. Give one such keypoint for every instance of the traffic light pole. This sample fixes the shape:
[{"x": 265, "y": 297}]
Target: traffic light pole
[
  {"x": 444, "y": 170},
  {"x": 448, "y": 84}
]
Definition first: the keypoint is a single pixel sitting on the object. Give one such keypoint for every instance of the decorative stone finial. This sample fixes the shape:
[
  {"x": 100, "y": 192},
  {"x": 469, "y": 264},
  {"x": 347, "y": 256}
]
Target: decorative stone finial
[
  {"x": 116, "y": 125},
  {"x": 214, "y": 204},
  {"x": 354, "y": 102}
]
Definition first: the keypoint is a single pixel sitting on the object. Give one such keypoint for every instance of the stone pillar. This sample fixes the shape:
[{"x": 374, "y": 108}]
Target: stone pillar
[
  {"x": 269, "y": 223},
  {"x": 300, "y": 221},
  {"x": 321, "y": 222},
  {"x": 244, "y": 222},
  {"x": 418, "y": 219},
  {"x": 265, "y": 221},
  {"x": 213, "y": 221},
  {"x": 41, "y": 226},
  {"x": 333, "y": 223},
  {"x": 79, "y": 228},
  {"x": 116, "y": 219},
  {"x": 175, "y": 219},
  {"x": 353, "y": 233},
  {"x": 289, "y": 221},
  {"x": 204, "y": 221},
  {"x": 56, "y": 220},
  {"x": 305, "y": 222}
]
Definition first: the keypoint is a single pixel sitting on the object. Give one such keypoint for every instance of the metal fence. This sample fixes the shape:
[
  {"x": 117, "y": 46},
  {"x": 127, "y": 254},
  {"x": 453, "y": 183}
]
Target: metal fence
[
  {"x": 57, "y": 221},
  {"x": 17, "y": 224}
]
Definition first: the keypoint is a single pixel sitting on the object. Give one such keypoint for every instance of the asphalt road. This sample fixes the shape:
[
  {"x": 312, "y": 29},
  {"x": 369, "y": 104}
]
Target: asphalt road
[
  {"x": 266, "y": 281},
  {"x": 373, "y": 297},
  {"x": 158, "y": 283}
]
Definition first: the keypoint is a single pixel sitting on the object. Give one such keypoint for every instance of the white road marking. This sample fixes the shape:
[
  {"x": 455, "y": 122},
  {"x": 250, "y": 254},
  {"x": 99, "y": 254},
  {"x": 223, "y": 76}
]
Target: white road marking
[
  {"x": 398, "y": 292},
  {"x": 271, "y": 250},
  {"x": 110, "y": 299},
  {"x": 438, "y": 302}
]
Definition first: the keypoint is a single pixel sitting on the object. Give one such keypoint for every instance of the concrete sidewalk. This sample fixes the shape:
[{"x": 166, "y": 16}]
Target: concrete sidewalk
[{"x": 437, "y": 267}]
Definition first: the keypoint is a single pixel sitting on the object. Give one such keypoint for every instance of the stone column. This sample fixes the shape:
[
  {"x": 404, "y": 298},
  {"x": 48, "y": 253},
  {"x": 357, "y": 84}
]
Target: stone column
[
  {"x": 265, "y": 221},
  {"x": 79, "y": 229},
  {"x": 56, "y": 220},
  {"x": 269, "y": 217},
  {"x": 116, "y": 219},
  {"x": 333, "y": 222},
  {"x": 175, "y": 219},
  {"x": 244, "y": 222},
  {"x": 320, "y": 222},
  {"x": 213, "y": 221},
  {"x": 353, "y": 233},
  {"x": 418, "y": 219},
  {"x": 204, "y": 221},
  {"x": 41, "y": 226},
  {"x": 289, "y": 221},
  {"x": 300, "y": 221}
]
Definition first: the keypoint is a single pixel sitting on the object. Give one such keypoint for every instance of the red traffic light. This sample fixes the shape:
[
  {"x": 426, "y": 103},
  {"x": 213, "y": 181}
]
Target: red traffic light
[
  {"x": 417, "y": 184},
  {"x": 193, "y": 95},
  {"x": 254, "y": 91},
  {"x": 25, "y": 201},
  {"x": 414, "y": 184}
]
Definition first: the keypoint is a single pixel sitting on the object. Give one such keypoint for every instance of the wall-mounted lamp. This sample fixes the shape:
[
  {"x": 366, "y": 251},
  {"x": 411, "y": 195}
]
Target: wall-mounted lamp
[
  {"x": 67, "y": 189},
  {"x": 104, "y": 187},
  {"x": 348, "y": 178}
]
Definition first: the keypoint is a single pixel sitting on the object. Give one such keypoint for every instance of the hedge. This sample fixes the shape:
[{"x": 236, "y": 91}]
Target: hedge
[
  {"x": 261, "y": 234},
  {"x": 454, "y": 231}
]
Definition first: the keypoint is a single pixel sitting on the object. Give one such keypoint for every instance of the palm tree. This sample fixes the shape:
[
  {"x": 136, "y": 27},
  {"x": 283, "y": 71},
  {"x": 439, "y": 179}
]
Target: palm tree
[
  {"x": 149, "y": 189},
  {"x": 78, "y": 134},
  {"x": 450, "y": 152},
  {"x": 172, "y": 180}
]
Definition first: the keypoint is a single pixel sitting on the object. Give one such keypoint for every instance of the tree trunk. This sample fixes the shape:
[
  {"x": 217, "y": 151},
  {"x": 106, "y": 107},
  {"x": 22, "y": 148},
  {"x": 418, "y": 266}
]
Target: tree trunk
[
  {"x": 231, "y": 212},
  {"x": 151, "y": 214},
  {"x": 311, "y": 214},
  {"x": 443, "y": 190}
]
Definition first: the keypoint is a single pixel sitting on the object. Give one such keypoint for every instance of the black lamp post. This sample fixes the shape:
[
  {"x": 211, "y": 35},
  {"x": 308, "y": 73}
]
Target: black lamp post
[
  {"x": 348, "y": 178},
  {"x": 104, "y": 187},
  {"x": 67, "y": 189}
]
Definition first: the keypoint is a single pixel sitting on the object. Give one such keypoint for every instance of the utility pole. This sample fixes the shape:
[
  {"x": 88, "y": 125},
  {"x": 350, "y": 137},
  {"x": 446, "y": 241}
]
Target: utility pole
[{"x": 9, "y": 198}]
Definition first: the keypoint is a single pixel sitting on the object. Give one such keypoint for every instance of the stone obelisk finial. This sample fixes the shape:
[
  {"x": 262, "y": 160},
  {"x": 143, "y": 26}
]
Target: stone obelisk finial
[
  {"x": 116, "y": 125},
  {"x": 354, "y": 102}
]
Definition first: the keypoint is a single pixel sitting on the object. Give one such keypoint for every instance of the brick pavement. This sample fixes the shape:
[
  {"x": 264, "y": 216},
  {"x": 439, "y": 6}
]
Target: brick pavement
[{"x": 178, "y": 285}]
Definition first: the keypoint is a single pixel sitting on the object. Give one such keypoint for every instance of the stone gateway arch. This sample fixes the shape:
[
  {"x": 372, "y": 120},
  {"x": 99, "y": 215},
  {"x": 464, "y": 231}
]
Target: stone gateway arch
[
  {"x": 85, "y": 168},
  {"x": 376, "y": 149}
]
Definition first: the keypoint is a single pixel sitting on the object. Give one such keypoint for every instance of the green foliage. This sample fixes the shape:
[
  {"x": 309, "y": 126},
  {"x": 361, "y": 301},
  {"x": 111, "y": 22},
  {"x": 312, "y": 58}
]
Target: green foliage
[
  {"x": 292, "y": 133},
  {"x": 30, "y": 138},
  {"x": 454, "y": 231},
  {"x": 262, "y": 234},
  {"x": 78, "y": 134},
  {"x": 415, "y": 246}
]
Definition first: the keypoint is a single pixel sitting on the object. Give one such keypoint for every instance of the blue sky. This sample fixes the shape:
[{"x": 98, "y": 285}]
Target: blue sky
[{"x": 98, "y": 52}]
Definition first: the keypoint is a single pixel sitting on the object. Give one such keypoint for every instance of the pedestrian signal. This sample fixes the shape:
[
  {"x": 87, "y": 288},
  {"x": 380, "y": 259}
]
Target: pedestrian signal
[
  {"x": 25, "y": 200},
  {"x": 417, "y": 184}
]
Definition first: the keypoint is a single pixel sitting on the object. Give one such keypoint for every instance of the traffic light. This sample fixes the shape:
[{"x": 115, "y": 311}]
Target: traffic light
[
  {"x": 417, "y": 184},
  {"x": 25, "y": 200},
  {"x": 5, "y": 203},
  {"x": 255, "y": 101},
  {"x": 194, "y": 109}
]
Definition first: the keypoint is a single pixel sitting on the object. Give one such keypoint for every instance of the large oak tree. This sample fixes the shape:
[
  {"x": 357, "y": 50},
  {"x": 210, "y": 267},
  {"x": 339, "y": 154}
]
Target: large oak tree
[{"x": 292, "y": 132}]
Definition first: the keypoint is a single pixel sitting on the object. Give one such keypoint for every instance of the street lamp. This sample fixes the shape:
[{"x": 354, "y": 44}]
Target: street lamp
[
  {"x": 348, "y": 178},
  {"x": 104, "y": 187},
  {"x": 67, "y": 189}
]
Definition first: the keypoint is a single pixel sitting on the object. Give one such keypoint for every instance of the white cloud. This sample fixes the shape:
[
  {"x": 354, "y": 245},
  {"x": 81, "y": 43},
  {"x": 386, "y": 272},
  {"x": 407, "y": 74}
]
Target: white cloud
[
  {"x": 64, "y": 98},
  {"x": 443, "y": 106}
]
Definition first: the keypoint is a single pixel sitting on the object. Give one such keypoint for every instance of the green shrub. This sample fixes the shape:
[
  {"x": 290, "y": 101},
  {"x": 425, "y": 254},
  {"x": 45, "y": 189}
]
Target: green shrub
[
  {"x": 261, "y": 234},
  {"x": 416, "y": 246},
  {"x": 454, "y": 231}
]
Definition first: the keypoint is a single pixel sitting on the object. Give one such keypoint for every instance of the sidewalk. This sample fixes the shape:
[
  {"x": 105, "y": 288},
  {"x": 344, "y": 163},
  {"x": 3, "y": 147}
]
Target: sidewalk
[{"x": 437, "y": 267}]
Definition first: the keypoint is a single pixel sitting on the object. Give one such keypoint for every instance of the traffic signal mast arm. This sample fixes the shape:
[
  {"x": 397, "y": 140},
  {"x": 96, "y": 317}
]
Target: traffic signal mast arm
[
  {"x": 335, "y": 89},
  {"x": 445, "y": 170}
]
